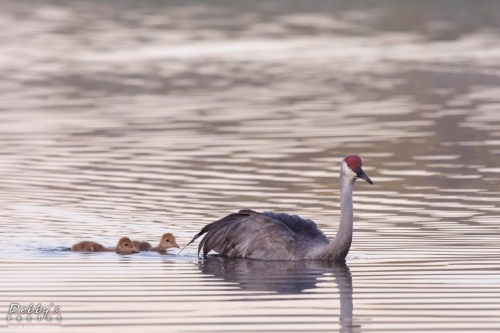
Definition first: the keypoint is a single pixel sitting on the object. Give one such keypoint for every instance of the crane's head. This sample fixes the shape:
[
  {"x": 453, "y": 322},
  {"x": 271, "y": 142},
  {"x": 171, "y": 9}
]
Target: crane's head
[{"x": 351, "y": 166}]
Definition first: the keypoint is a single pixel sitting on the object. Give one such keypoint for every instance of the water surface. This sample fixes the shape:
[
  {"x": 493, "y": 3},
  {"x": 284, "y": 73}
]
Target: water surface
[{"x": 135, "y": 119}]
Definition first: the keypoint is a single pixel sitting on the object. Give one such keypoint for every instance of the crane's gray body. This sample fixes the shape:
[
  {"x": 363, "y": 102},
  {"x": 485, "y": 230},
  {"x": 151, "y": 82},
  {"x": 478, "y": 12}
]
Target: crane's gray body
[{"x": 279, "y": 236}]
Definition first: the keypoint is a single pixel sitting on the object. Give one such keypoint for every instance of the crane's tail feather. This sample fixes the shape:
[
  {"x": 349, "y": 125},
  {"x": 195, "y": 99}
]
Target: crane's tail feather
[{"x": 214, "y": 227}]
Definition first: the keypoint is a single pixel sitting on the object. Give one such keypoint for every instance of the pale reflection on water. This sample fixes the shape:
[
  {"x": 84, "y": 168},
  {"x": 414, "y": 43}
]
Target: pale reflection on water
[
  {"x": 135, "y": 119},
  {"x": 286, "y": 277}
]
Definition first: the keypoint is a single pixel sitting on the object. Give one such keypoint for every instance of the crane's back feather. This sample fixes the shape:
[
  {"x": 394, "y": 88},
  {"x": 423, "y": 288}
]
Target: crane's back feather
[
  {"x": 302, "y": 227},
  {"x": 271, "y": 236}
]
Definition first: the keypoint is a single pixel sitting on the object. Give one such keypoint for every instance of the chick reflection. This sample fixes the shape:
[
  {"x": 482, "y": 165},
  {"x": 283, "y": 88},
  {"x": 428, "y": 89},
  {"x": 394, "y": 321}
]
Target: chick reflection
[{"x": 285, "y": 277}]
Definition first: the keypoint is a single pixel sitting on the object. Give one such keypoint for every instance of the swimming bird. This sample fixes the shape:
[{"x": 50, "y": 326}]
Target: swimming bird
[
  {"x": 142, "y": 246},
  {"x": 124, "y": 246},
  {"x": 279, "y": 236},
  {"x": 166, "y": 242}
]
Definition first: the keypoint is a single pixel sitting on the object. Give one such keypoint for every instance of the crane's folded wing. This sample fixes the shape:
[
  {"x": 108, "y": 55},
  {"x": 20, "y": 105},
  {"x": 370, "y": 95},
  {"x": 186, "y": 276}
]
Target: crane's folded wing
[{"x": 248, "y": 234}]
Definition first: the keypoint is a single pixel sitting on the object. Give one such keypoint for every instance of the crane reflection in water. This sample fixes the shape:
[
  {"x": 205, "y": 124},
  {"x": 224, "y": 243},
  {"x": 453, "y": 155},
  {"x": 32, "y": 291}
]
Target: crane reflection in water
[{"x": 286, "y": 277}]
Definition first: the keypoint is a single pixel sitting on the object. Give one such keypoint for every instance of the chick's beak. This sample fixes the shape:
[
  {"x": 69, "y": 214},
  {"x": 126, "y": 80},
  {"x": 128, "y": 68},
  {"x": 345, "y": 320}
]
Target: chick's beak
[
  {"x": 175, "y": 245},
  {"x": 361, "y": 174}
]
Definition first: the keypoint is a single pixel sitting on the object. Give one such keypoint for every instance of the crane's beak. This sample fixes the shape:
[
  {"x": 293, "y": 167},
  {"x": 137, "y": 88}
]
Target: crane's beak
[{"x": 361, "y": 174}]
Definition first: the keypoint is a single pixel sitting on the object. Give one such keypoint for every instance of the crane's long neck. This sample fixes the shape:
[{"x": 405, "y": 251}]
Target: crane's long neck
[{"x": 341, "y": 244}]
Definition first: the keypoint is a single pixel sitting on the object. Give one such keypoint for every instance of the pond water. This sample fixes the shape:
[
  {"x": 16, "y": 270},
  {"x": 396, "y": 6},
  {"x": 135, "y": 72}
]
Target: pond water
[{"x": 123, "y": 118}]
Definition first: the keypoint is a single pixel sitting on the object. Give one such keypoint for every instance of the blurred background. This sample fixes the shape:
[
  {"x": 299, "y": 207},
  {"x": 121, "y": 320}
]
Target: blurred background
[{"x": 141, "y": 117}]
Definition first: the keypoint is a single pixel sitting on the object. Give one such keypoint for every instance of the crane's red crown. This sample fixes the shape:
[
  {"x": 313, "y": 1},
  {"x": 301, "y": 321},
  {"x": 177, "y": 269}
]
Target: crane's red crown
[{"x": 353, "y": 162}]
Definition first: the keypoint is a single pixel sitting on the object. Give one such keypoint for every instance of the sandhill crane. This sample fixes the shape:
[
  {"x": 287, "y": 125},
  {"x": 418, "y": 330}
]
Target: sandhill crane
[{"x": 279, "y": 236}]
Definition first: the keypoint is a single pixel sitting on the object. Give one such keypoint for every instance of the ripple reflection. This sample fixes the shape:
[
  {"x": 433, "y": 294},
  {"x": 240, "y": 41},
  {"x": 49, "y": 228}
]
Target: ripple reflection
[{"x": 286, "y": 277}]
